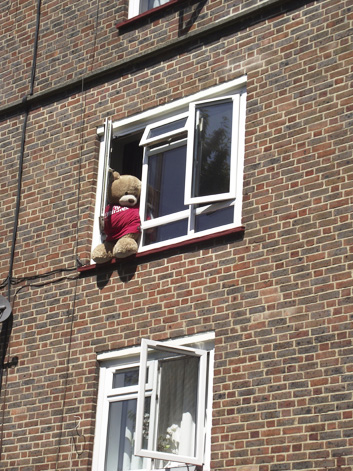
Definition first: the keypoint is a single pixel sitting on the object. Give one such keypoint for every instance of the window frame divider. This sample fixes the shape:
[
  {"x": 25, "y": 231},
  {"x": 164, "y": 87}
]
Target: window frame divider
[{"x": 201, "y": 404}]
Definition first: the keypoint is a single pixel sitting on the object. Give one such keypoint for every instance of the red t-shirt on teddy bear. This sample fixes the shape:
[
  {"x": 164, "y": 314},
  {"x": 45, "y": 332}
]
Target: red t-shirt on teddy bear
[{"x": 120, "y": 220}]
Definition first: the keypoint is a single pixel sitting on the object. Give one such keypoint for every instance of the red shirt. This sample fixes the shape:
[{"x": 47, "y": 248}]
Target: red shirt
[{"x": 121, "y": 220}]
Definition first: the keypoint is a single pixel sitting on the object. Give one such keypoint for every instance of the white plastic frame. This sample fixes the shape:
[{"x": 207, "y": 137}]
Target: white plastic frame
[
  {"x": 136, "y": 7},
  {"x": 198, "y": 459},
  {"x": 129, "y": 358},
  {"x": 107, "y": 394},
  {"x": 190, "y": 156},
  {"x": 171, "y": 110},
  {"x": 107, "y": 141},
  {"x": 145, "y": 140}
]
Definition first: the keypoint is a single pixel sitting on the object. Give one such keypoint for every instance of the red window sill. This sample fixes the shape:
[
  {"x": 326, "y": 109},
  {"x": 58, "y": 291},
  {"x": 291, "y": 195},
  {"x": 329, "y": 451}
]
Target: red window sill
[
  {"x": 135, "y": 19},
  {"x": 195, "y": 240}
]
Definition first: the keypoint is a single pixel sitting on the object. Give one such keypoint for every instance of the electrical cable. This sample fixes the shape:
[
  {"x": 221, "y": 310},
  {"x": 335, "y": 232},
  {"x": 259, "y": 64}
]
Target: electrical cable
[
  {"x": 16, "y": 281},
  {"x": 7, "y": 324},
  {"x": 22, "y": 149},
  {"x": 35, "y": 47},
  {"x": 44, "y": 283},
  {"x": 83, "y": 107},
  {"x": 10, "y": 280},
  {"x": 18, "y": 202}
]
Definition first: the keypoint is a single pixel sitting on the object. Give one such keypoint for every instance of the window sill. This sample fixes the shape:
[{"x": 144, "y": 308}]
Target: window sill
[
  {"x": 141, "y": 255},
  {"x": 136, "y": 19}
]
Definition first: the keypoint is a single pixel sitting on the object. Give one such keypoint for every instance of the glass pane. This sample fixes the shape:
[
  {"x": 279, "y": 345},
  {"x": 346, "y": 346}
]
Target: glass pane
[
  {"x": 149, "y": 4},
  {"x": 166, "y": 128},
  {"x": 124, "y": 378},
  {"x": 165, "y": 183},
  {"x": 121, "y": 436},
  {"x": 215, "y": 219},
  {"x": 176, "y": 429},
  {"x": 165, "y": 232},
  {"x": 212, "y": 152}
]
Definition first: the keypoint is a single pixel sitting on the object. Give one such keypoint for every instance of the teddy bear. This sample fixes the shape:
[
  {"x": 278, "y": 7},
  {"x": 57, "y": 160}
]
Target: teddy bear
[{"x": 121, "y": 218}]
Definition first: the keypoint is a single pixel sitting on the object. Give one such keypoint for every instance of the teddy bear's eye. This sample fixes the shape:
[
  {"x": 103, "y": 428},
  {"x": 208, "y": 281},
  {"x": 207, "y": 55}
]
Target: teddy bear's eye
[{"x": 126, "y": 193}]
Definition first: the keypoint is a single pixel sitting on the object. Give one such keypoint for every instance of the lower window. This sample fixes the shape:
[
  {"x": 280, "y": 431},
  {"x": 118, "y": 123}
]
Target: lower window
[
  {"x": 136, "y": 7},
  {"x": 154, "y": 410}
]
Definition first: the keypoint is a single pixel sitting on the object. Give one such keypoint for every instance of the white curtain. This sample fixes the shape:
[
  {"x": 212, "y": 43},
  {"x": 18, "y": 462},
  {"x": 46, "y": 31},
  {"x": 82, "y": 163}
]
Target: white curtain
[
  {"x": 121, "y": 436},
  {"x": 157, "y": 3},
  {"x": 145, "y": 5},
  {"x": 178, "y": 406},
  {"x": 148, "y": 4}
]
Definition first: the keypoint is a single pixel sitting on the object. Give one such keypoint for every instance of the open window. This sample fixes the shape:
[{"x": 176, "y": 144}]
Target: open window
[
  {"x": 175, "y": 429},
  {"x": 189, "y": 157},
  {"x": 154, "y": 407},
  {"x": 212, "y": 150}
]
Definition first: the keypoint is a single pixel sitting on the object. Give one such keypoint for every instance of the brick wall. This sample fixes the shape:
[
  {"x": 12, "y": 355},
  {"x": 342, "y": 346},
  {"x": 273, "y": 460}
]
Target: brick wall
[{"x": 279, "y": 298}]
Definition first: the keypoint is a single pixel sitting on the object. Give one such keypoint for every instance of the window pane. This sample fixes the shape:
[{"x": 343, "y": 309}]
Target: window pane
[
  {"x": 212, "y": 150},
  {"x": 165, "y": 232},
  {"x": 217, "y": 218},
  {"x": 165, "y": 183},
  {"x": 176, "y": 429},
  {"x": 166, "y": 128},
  {"x": 149, "y": 4},
  {"x": 124, "y": 378},
  {"x": 121, "y": 436}
]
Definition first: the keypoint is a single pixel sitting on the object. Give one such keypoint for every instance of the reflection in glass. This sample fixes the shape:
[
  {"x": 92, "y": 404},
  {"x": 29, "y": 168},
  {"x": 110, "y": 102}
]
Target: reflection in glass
[
  {"x": 165, "y": 232},
  {"x": 121, "y": 436},
  {"x": 165, "y": 183},
  {"x": 149, "y": 4},
  {"x": 128, "y": 377},
  {"x": 166, "y": 128},
  {"x": 212, "y": 150},
  {"x": 176, "y": 429},
  {"x": 218, "y": 218}
]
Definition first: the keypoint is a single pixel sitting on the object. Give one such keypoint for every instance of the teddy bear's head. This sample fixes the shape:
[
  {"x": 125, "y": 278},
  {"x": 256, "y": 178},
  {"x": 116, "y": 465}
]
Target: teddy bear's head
[{"x": 123, "y": 190}]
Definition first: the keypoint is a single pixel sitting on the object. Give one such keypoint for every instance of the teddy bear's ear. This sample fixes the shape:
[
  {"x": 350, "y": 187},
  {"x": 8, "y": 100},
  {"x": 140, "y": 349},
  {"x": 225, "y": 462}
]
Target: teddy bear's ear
[{"x": 113, "y": 174}]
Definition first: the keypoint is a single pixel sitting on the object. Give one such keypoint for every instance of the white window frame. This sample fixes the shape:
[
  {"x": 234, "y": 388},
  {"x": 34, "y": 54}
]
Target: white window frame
[
  {"x": 190, "y": 156},
  {"x": 111, "y": 362},
  {"x": 163, "y": 115},
  {"x": 136, "y": 7},
  {"x": 198, "y": 459},
  {"x": 146, "y": 140}
]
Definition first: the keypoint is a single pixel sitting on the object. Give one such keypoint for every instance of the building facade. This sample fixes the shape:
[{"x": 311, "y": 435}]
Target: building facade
[{"x": 226, "y": 342}]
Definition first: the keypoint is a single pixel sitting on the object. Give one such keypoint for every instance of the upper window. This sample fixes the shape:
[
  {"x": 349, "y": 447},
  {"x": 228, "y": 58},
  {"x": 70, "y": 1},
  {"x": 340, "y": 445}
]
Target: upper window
[
  {"x": 154, "y": 411},
  {"x": 136, "y": 7},
  {"x": 189, "y": 157}
]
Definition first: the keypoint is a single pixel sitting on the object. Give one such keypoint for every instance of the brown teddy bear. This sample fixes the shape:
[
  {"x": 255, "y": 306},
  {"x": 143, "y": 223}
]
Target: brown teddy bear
[{"x": 121, "y": 219}]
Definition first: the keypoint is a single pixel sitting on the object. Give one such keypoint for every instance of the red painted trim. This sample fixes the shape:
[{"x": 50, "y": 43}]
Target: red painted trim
[
  {"x": 162, "y": 249},
  {"x": 146, "y": 13}
]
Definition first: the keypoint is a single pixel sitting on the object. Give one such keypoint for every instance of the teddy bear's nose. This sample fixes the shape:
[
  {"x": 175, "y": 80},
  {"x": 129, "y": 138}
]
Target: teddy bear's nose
[{"x": 131, "y": 200}]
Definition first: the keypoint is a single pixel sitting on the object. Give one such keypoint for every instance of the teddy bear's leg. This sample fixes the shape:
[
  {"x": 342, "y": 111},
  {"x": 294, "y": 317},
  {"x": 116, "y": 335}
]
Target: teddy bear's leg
[
  {"x": 125, "y": 246},
  {"x": 103, "y": 252}
]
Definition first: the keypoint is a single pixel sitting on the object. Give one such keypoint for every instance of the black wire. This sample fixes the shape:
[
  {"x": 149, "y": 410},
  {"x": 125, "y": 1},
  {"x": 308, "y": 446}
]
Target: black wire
[
  {"x": 18, "y": 202},
  {"x": 44, "y": 283},
  {"x": 6, "y": 328},
  {"x": 18, "y": 280},
  {"x": 35, "y": 47}
]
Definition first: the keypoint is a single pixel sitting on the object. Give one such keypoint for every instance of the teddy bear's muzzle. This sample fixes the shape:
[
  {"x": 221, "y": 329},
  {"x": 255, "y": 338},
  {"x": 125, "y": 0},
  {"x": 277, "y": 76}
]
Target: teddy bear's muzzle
[{"x": 128, "y": 200}]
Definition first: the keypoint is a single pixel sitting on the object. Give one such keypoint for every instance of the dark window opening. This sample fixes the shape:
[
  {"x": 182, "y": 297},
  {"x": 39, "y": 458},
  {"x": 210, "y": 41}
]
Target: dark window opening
[{"x": 126, "y": 156}]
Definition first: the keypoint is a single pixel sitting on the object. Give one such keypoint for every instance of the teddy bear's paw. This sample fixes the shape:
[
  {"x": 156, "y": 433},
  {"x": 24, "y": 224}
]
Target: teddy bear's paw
[
  {"x": 124, "y": 254},
  {"x": 101, "y": 259},
  {"x": 125, "y": 247},
  {"x": 102, "y": 253}
]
